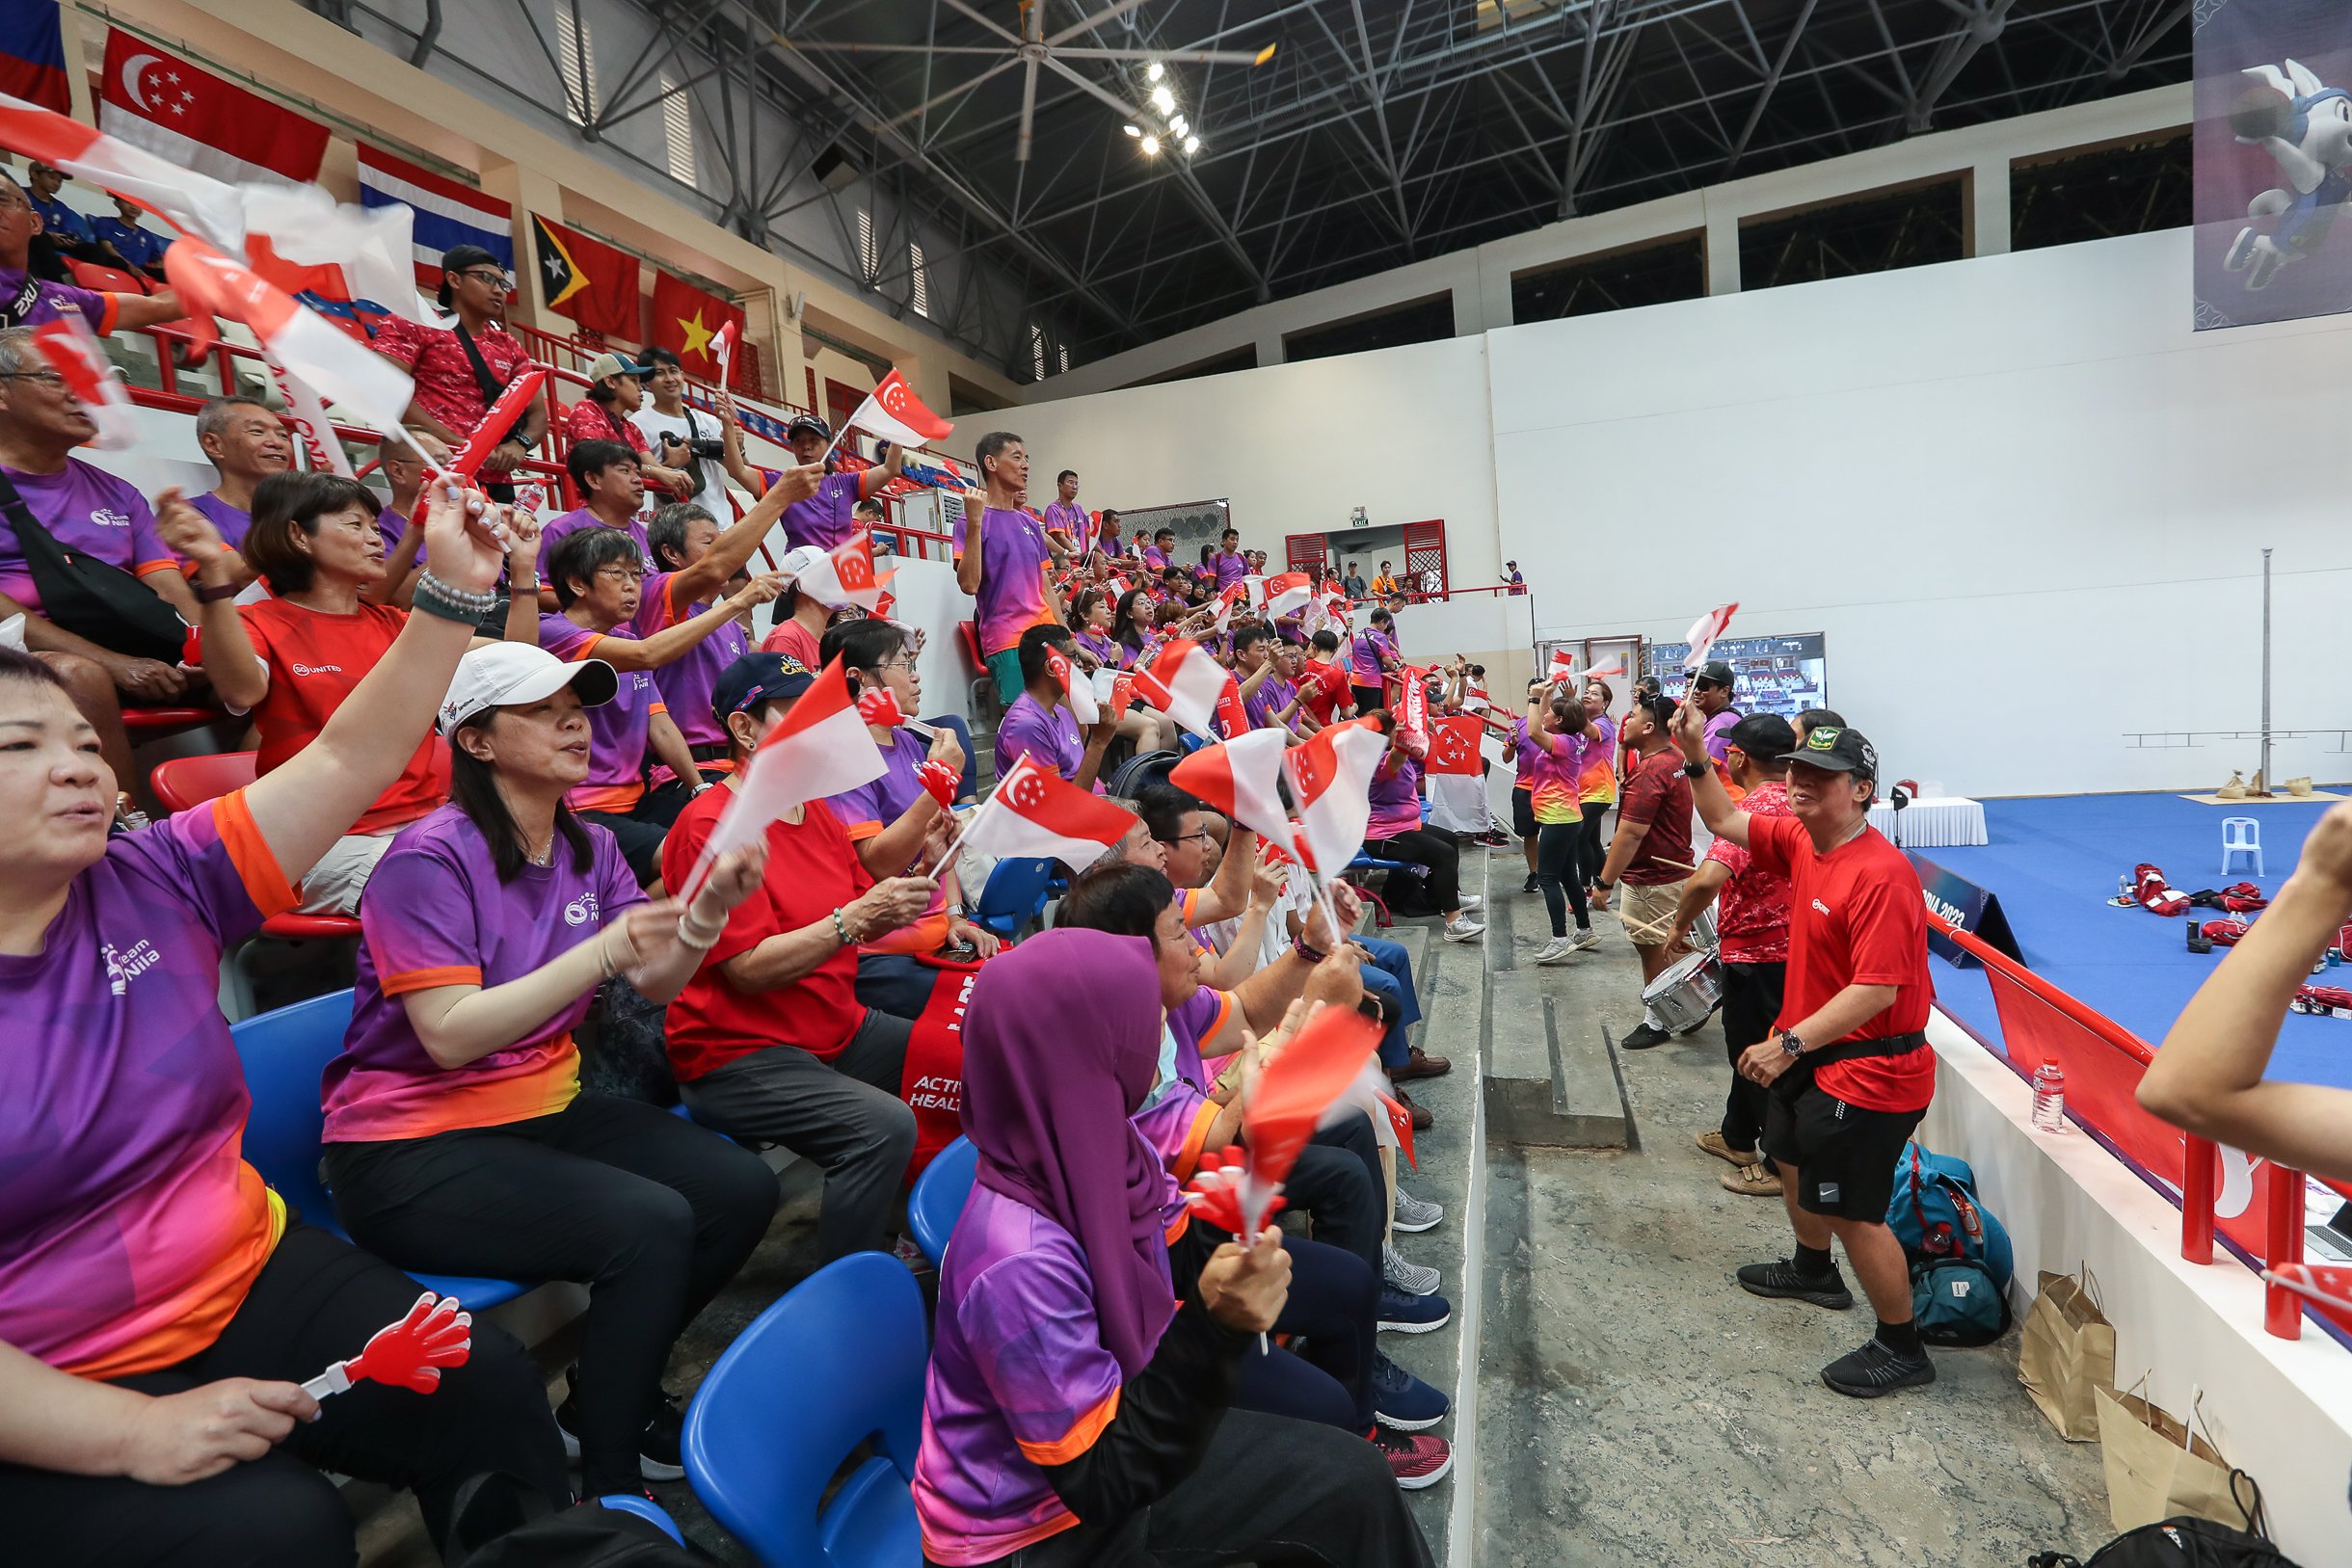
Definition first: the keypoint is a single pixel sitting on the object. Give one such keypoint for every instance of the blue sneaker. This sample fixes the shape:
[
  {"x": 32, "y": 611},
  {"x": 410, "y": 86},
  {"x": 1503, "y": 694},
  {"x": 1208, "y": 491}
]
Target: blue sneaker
[
  {"x": 1405, "y": 1313},
  {"x": 1404, "y": 1401}
]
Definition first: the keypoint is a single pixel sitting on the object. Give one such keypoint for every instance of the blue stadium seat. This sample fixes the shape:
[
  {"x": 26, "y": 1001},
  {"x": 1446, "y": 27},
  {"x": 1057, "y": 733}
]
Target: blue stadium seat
[
  {"x": 1015, "y": 896},
  {"x": 283, "y": 1053},
  {"x": 938, "y": 1202},
  {"x": 836, "y": 1363}
]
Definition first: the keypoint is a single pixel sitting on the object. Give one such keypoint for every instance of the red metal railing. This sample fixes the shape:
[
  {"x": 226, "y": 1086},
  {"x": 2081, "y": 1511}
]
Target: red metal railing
[{"x": 2104, "y": 1063}]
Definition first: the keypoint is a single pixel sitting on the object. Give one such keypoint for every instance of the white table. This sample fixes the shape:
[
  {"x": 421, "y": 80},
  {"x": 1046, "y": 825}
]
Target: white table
[{"x": 1933, "y": 821}]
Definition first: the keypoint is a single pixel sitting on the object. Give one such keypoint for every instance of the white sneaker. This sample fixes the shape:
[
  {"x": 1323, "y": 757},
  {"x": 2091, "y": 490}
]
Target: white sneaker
[
  {"x": 1585, "y": 940},
  {"x": 1417, "y": 1214},
  {"x": 1554, "y": 951},
  {"x": 1413, "y": 1279},
  {"x": 1463, "y": 928},
  {"x": 1471, "y": 901}
]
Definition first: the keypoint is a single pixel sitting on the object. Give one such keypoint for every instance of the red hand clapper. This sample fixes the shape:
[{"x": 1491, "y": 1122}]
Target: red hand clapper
[
  {"x": 879, "y": 705},
  {"x": 408, "y": 1354},
  {"x": 1215, "y": 1192}
]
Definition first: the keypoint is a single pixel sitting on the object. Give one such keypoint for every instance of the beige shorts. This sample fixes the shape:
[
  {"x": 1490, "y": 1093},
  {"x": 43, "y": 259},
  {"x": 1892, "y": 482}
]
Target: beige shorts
[
  {"x": 1649, "y": 912},
  {"x": 335, "y": 884}
]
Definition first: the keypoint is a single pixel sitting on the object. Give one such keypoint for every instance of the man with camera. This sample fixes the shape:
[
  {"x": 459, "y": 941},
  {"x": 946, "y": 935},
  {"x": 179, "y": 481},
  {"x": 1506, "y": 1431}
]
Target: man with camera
[{"x": 705, "y": 447}]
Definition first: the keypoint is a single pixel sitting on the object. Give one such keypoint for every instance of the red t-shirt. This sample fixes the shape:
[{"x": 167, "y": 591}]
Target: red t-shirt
[
  {"x": 1658, "y": 795},
  {"x": 792, "y": 637},
  {"x": 589, "y": 420},
  {"x": 1322, "y": 688},
  {"x": 314, "y": 660},
  {"x": 1751, "y": 913},
  {"x": 1857, "y": 917},
  {"x": 811, "y": 870}
]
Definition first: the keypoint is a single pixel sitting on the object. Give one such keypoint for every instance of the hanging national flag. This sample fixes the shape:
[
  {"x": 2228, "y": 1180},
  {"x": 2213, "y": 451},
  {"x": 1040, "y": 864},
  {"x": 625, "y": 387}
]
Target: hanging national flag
[
  {"x": 33, "y": 56},
  {"x": 301, "y": 239},
  {"x": 820, "y": 747},
  {"x": 687, "y": 321},
  {"x": 1703, "y": 632},
  {"x": 1330, "y": 779},
  {"x": 1454, "y": 745},
  {"x": 1185, "y": 683},
  {"x": 188, "y": 115},
  {"x": 1240, "y": 778},
  {"x": 1034, "y": 814},
  {"x": 1286, "y": 593},
  {"x": 893, "y": 412},
  {"x": 196, "y": 203},
  {"x": 447, "y": 213},
  {"x": 68, "y": 349},
  {"x": 845, "y": 575},
  {"x": 375, "y": 390},
  {"x": 594, "y": 283}
]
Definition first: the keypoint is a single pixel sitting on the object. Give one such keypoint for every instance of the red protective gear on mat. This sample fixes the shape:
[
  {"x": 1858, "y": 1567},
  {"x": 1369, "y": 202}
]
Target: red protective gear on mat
[
  {"x": 2225, "y": 933},
  {"x": 2156, "y": 894},
  {"x": 2322, "y": 1000},
  {"x": 2242, "y": 898}
]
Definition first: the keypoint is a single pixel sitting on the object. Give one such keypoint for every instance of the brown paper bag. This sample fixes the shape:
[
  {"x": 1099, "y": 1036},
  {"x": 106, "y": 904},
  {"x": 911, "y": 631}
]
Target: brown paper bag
[
  {"x": 2067, "y": 1350},
  {"x": 2157, "y": 1469}
]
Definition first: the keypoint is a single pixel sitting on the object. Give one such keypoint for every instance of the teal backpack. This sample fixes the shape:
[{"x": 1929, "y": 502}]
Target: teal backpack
[{"x": 1959, "y": 1254}]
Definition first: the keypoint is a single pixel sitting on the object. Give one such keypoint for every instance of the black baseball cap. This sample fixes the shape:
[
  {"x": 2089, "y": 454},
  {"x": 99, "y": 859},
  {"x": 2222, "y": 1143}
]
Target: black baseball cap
[
  {"x": 1835, "y": 749},
  {"x": 1715, "y": 672},
  {"x": 459, "y": 257},
  {"x": 756, "y": 679},
  {"x": 808, "y": 421},
  {"x": 1763, "y": 735}
]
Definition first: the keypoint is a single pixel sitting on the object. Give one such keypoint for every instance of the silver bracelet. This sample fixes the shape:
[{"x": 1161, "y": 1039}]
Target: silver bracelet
[
  {"x": 685, "y": 935},
  {"x": 436, "y": 598}
]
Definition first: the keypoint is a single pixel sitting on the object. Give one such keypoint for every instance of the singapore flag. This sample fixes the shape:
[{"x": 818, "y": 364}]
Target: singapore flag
[{"x": 893, "y": 412}]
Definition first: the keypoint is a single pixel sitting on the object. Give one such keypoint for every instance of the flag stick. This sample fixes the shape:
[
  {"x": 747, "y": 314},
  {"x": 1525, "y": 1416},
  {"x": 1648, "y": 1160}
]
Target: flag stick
[{"x": 947, "y": 856}]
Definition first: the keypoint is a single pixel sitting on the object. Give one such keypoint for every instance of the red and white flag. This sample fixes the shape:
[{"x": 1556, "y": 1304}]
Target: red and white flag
[
  {"x": 1562, "y": 668},
  {"x": 1185, "y": 683},
  {"x": 321, "y": 447},
  {"x": 301, "y": 238},
  {"x": 1331, "y": 782},
  {"x": 188, "y": 115},
  {"x": 723, "y": 349},
  {"x": 1231, "y": 600},
  {"x": 1291, "y": 590},
  {"x": 1413, "y": 701},
  {"x": 1703, "y": 632},
  {"x": 1454, "y": 745},
  {"x": 845, "y": 575},
  {"x": 68, "y": 349},
  {"x": 1614, "y": 670},
  {"x": 1034, "y": 814},
  {"x": 1078, "y": 688},
  {"x": 893, "y": 412},
  {"x": 192, "y": 202},
  {"x": 296, "y": 337},
  {"x": 820, "y": 747},
  {"x": 1240, "y": 778}
]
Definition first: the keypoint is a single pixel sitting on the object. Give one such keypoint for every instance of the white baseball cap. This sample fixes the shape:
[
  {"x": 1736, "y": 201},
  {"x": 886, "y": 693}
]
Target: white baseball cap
[
  {"x": 799, "y": 558},
  {"x": 507, "y": 674}
]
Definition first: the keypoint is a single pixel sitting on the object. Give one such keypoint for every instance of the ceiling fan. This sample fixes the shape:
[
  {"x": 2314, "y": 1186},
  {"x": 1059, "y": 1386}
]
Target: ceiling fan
[{"x": 1032, "y": 47}]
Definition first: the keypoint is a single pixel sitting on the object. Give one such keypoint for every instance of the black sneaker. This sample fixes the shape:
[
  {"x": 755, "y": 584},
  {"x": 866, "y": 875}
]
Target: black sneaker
[
  {"x": 1781, "y": 1278},
  {"x": 1530, "y": 886},
  {"x": 658, "y": 1447},
  {"x": 1642, "y": 1037},
  {"x": 1875, "y": 1369}
]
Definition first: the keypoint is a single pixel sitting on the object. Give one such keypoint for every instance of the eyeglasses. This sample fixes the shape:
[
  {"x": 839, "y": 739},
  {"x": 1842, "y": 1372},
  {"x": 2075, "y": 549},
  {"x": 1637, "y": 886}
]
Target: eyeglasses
[
  {"x": 892, "y": 664},
  {"x": 47, "y": 378},
  {"x": 622, "y": 573},
  {"x": 490, "y": 279},
  {"x": 1203, "y": 835}
]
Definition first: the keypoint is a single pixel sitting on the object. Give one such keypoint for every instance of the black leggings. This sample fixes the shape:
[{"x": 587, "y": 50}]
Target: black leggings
[
  {"x": 1556, "y": 875},
  {"x": 1441, "y": 887},
  {"x": 1592, "y": 849},
  {"x": 1334, "y": 1308},
  {"x": 315, "y": 1302},
  {"x": 649, "y": 1212}
]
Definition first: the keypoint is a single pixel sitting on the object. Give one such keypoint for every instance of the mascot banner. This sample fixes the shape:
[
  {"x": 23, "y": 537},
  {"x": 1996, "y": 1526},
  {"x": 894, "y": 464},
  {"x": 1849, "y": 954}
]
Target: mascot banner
[{"x": 2274, "y": 160}]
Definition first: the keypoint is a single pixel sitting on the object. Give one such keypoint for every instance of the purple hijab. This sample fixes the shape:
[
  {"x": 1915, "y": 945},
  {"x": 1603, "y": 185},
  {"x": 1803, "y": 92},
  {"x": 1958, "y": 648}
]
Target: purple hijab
[{"x": 1061, "y": 1043}]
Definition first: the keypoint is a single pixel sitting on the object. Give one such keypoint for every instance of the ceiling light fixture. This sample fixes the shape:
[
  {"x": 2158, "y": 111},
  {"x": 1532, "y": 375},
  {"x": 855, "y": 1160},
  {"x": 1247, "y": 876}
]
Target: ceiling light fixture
[
  {"x": 1151, "y": 147},
  {"x": 1192, "y": 144},
  {"x": 1178, "y": 125},
  {"x": 1154, "y": 71},
  {"x": 1133, "y": 131},
  {"x": 1163, "y": 100}
]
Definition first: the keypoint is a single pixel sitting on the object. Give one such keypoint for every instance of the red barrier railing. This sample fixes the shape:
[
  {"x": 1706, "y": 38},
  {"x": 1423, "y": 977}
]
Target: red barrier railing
[{"x": 2254, "y": 1206}]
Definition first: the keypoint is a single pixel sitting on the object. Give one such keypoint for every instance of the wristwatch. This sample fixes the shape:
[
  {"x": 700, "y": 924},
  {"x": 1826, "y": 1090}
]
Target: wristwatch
[
  {"x": 1790, "y": 1044},
  {"x": 1693, "y": 770}
]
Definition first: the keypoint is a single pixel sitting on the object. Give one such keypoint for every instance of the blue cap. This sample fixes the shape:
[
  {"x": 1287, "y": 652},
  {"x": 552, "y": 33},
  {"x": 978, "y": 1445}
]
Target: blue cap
[{"x": 756, "y": 679}]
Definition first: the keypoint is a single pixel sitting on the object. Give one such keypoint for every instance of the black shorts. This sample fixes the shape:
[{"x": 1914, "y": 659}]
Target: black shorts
[
  {"x": 1751, "y": 1001},
  {"x": 1844, "y": 1155},
  {"x": 1523, "y": 812},
  {"x": 1367, "y": 698}
]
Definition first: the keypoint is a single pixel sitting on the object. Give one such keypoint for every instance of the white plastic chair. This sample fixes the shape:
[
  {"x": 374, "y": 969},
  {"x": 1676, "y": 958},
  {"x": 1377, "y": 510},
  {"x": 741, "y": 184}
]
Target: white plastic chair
[{"x": 2241, "y": 835}]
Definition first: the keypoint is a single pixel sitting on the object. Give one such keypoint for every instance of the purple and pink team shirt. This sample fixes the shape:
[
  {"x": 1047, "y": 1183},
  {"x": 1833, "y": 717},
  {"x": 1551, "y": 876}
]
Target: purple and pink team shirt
[
  {"x": 85, "y": 509},
  {"x": 571, "y": 522},
  {"x": 1396, "y": 797},
  {"x": 44, "y": 302},
  {"x": 825, "y": 519},
  {"x": 130, "y": 1225},
  {"x": 1230, "y": 569},
  {"x": 1013, "y": 559},
  {"x": 1598, "y": 778},
  {"x": 1103, "y": 647},
  {"x": 233, "y": 522},
  {"x": 1072, "y": 520},
  {"x": 1272, "y": 696},
  {"x": 1030, "y": 728},
  {"x": 1154, "y": 558},
  {"x": 1719, "y": 733},
  {"x": 437, "y": 915},
  {"x": 1551, "y": 766},
  {"x": 1367, "y": 654},
  {"x": 616, "y": 729},
  {"x": 686, "y": 682},
  {"x": 1177, "y": 1114}
]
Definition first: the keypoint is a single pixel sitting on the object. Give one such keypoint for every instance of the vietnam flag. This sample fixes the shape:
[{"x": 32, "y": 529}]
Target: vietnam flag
[
  {"x": 594, "y": 283},
  {"x": 687, "y": 322}
]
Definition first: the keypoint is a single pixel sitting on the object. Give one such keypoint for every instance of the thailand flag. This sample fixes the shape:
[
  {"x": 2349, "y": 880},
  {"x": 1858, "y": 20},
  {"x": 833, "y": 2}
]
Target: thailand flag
[{"x": 449, "y": 213}]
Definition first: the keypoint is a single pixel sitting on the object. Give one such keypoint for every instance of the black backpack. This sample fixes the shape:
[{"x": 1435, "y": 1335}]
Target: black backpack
[
  {"x": 498, "y": 1522},
  {"x": 2184, "y": 1542}
]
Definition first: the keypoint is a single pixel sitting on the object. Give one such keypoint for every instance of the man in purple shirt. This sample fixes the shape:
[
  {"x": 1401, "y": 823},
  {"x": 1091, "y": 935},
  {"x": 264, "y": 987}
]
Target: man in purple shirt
[
  {"x": 26, "y": 301},
  {"x": 1231, "y": 565},
  {"x": 1039, "y": 722},
  {"x": 246, "y": 443},
  {"x": 1063, "y": 516},
  {"x": 613, "y": 487},
  {"x": 1162, "y": 548},
  {"x": 1711, "y": 695},
  {"x": 825, "y": 519}
]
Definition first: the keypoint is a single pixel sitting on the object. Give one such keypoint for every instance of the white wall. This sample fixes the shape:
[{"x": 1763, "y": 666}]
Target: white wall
[
  {"x": 2023, "y": 499},
  {"x": 1401, "y": 432}
]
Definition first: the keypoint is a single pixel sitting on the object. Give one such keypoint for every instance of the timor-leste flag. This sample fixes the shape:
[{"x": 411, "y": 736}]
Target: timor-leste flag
[
  {"x": 594, "y": 283},
  {"x": 687, "y": 321}
]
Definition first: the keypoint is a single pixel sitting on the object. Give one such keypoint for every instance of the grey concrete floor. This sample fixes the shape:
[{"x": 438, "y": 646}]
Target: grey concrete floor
[{"x": 1639, "y": 1407}]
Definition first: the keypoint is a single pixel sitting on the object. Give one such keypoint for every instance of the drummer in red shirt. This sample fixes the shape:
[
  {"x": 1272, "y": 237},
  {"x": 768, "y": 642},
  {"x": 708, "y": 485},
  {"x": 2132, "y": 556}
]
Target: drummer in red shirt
[{"x": 1849, "y": 1063}]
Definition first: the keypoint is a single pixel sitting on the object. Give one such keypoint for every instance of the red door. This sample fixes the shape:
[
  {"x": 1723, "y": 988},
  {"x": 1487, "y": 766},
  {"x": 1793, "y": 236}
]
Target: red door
[
  {"x": 1424, "y": 551},
  {"x": 1304, "y": 553}
]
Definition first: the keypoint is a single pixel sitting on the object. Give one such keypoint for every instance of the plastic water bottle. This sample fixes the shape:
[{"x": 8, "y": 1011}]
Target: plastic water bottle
[{"x": 2049, "y": 1097}]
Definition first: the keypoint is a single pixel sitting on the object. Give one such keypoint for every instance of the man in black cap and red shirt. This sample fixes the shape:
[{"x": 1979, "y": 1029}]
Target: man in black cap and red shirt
[
  {"x": 460, "y": 370},
  {"x": 1849, "y": 1064}
]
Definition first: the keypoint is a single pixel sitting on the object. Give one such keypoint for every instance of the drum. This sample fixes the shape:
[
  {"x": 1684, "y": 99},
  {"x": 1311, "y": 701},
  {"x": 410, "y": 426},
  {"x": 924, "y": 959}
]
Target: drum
[
  {"x": 1702, "y": 931},
  {"x": 1687, "y": 994}
]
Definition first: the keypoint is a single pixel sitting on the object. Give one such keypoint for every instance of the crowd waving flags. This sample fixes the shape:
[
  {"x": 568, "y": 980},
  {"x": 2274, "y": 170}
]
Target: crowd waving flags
[
  {"x": 1035, "y": 815},
  {"x": 1704, "y": 631},
  {"x": 66, "y": 347},
  {"x": 820, "y": 747}
]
